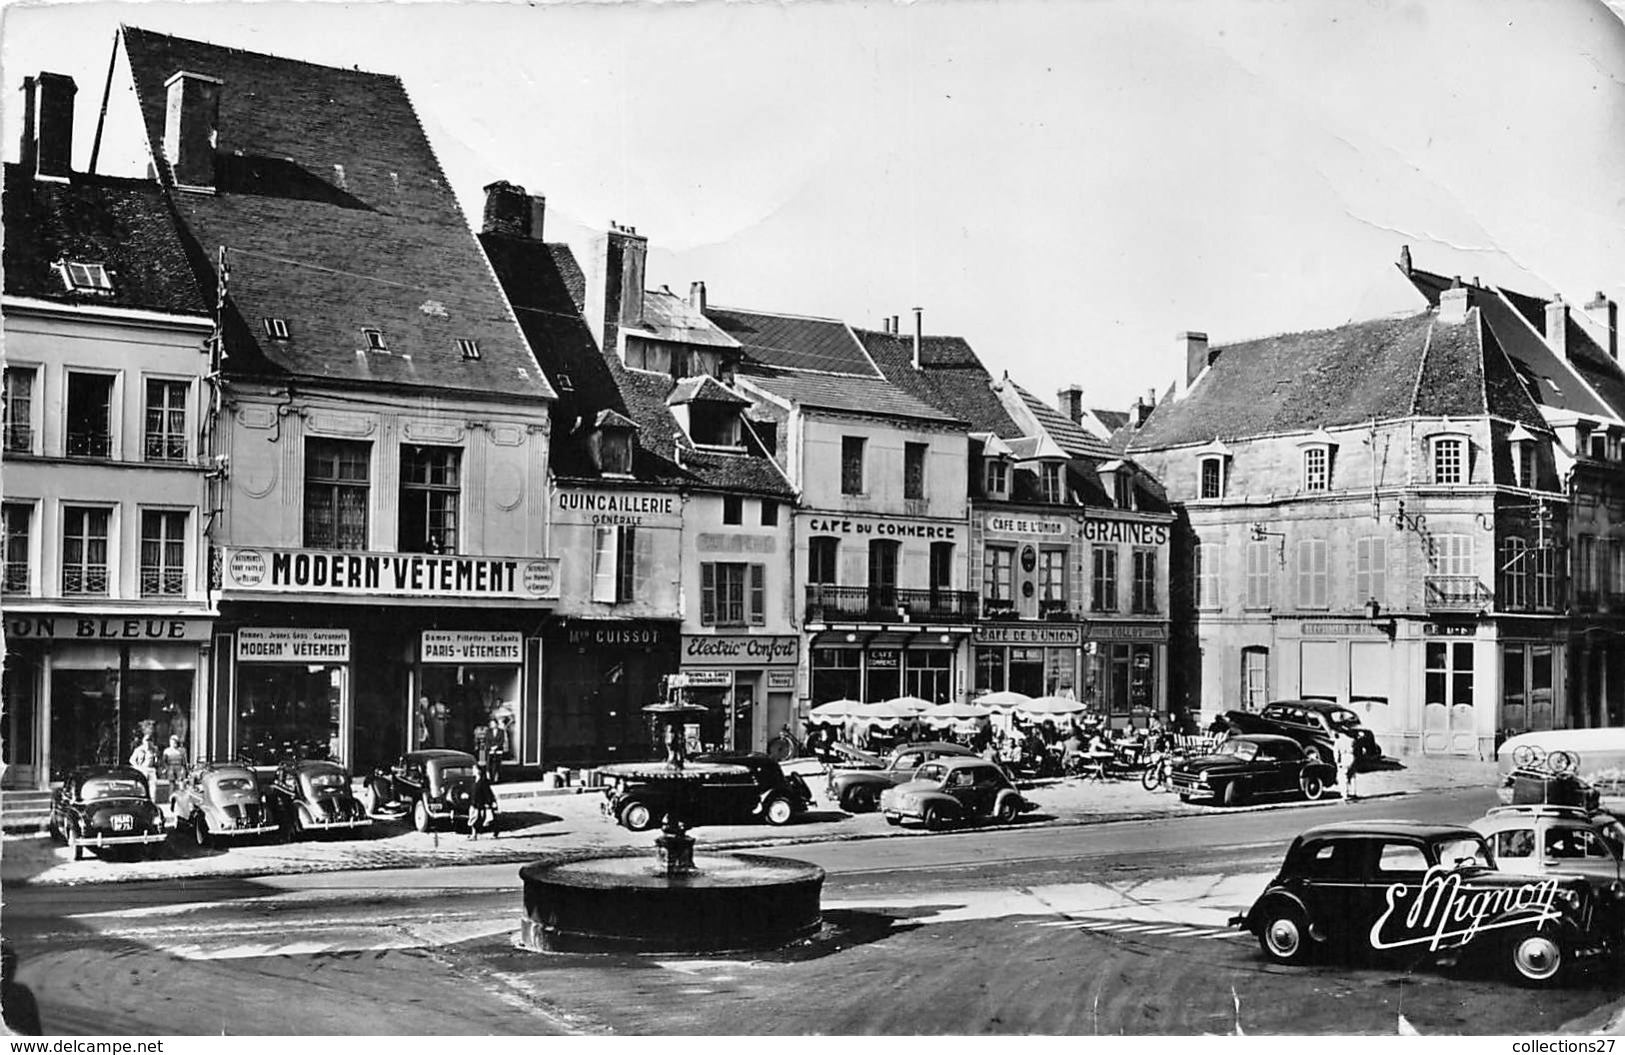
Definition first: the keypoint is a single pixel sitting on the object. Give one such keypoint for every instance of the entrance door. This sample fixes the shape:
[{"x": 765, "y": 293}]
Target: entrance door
[
  {"x": 1447, "y": 710},
  {"x": 18, "y": 736},
  {"x": 1370, "y": 684}
]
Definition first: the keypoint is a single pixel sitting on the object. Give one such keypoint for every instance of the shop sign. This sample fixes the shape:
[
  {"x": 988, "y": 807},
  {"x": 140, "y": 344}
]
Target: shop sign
[
  {"x": 1127, "y": 632},
  {"x": 731, "y": 650},
  {"x": 1443, "y": 912},
  {"x": 1342, "y": 630},
  {"x": 618, "y": 635},
  {"x": 620, "y": 507},
  {"x": 782, "y": 680},
  {"x": 106, "y": 628},
  {"x": 709, "y": 679},
  {"x": 262, "y": 644},
  {"x": 877, "y": 528},
  {"x": 1138, "y": 532},
  {"x": 1449, "y": 630},
  {"x": 1037, "y": 634},
  {"x": 356, "y": 573},
  {"x": 471, "y": 646},
  {"x": 1009, "y": 525},
  {"x": 885, "y": 659}
]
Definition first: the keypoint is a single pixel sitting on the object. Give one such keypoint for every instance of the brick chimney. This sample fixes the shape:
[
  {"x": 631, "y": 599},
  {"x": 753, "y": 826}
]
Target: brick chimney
[
  {"x": 192, "y": 128},
  {"x": 1405, "y": 259},
  {"x": 615, "y": 284},
  {"x": 1197, "y": 356},
  {"x": 919, "y": 334},
  {"x": 1557, "y": 325},
  {"x": 696, "y": 296},
  {"x": 1069, "y": 401},
  {"x": 509, "y": 210},
  {"x": 1606, "y": 314},
  {"x": 1141, "y": 411},
  {"x": 47, "y": 147}
]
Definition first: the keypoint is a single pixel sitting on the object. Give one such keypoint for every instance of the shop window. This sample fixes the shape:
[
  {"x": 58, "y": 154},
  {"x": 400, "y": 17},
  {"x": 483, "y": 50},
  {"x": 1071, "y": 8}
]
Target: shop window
[
  {"x": 1370, "y": 569},
  {"x": 430, "y": 495},
  {"x": 914, "y": 471},
  {"x": 733, "y": 594},
  {"x": 733, "y": 509},
  {"x": 455, "y": 700},
  {"x": 1313, "y": 574},
  {"x": 883, "y": 674},
  {"x": 336, "y": 493},
  {"x": 1260, "y": 558},
  {"x": 288, "y": 706},
  {"x": 84, "y": 550},
  {"x": 165, "y": 438},
  {"x": 1209, "y": 561},
  {"x": 1212, "y": 484},
  {"x": 21, "y": 687},
  {"x": 1103, "y": 597},
  {"x": 97, "y": 717},
  {"x": 19, "y": 409},
  {"x": 989, "y": 670},
  {"x": 163, "y": 553},
  {"x": 1049, "y": 478},
  {"x": 19, "y": 518},
  {"x": 1449, "y": 460},
  {"x": 90, "y": 415},
  {"x": 1144, "y": 597},
  {"x": 852, "y": 465},
  {"x": 1448, "y": 678},
  {"x": 998, "y": 580},
  {"x": 928, "y": 673},
  {"x": 996, "y": 481},
  {"x": 1027, "y": 671},
  {"x": 823, "y": 560},
  {"x": 614, "y": 558},
  {"x": 837, "y": 674},
  {"x": 1526, "y": 688},
  {"x": 1255, "y": 677}
]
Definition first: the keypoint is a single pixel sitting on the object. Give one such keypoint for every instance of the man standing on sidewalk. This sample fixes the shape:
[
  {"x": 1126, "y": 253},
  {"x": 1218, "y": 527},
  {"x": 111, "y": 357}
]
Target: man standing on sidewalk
[{"x": 1347, "y": 753}]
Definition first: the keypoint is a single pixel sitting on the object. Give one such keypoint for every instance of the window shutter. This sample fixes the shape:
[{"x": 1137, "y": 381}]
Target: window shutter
[
  {"x": 758, "y": 594},
  {"x": 708, "y": 594},
  {"x": 626, "y": 562},
  {"x": 603, "y": 564}
]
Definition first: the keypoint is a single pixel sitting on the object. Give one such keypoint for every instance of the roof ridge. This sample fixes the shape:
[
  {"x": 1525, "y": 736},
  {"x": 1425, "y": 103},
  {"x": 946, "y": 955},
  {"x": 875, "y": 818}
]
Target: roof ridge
[
  {"x": 1421, "y": 367},
  {"x": 776, "y": 314},
  {"x": 126, "y": 27}
]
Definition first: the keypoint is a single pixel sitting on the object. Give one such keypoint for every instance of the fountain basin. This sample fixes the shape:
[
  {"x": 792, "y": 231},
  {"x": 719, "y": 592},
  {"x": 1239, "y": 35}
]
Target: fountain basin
[{"x": 627, "y": 902}]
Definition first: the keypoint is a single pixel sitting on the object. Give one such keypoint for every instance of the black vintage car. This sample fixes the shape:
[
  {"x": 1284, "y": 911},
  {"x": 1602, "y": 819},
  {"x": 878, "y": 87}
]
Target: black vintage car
[
  {"x": 1411, "y": 890},
  {"x": 312, "y": 797},
  {"x": 1315, "y": 724},
  {"x": 434, "y": 785},
  {"x": 105, "y": 807},
  {"x": 753, "y": 788},
  {"x": 1252, "y": 765}
]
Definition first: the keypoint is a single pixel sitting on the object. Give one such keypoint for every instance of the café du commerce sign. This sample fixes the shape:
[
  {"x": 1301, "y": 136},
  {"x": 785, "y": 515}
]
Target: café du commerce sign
[
  {"x": 1442, "y": 912},
  {"x": 357, "y": 573}
]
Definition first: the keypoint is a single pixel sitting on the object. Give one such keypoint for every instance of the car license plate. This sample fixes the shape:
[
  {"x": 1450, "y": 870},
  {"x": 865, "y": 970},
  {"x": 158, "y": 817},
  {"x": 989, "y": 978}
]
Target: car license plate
[{"x": 122, "y": 822}]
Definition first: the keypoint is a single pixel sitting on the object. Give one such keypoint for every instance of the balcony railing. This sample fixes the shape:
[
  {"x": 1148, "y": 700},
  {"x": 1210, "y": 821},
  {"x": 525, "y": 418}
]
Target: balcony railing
[
  {"x": 1456, "y": 593},
  {"x": 19, "y": 438},
  {"x": 165, "y": 447},
  {"x": 162, "y": 582},
  {"x": 1055, "y": 611},
  {"x": 89, "y": 443},
  {"x": 885, "y": 604},
  {"x": 16, "y": 577}
]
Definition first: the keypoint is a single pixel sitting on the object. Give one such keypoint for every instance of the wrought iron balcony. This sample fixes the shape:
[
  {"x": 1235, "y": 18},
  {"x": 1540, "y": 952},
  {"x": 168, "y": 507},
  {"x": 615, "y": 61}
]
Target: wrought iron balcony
[
  {"x": 89, "y": 443},
  {"x": 886, "y": 604},
  {"x": 1055, "y": 610},
  {"x": 19, "y": 438},
  {"x": 1457, "y": 593}
]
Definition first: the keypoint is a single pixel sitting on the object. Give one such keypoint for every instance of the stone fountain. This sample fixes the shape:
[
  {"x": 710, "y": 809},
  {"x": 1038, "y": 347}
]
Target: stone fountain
[{"x": 677, "y": 900}]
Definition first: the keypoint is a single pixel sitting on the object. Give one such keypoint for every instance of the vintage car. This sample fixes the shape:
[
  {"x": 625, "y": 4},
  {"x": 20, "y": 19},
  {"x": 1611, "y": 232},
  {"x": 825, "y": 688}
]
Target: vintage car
[
  {"x": 1555, "y": 840},
  {"x": 752, "y": 787},
  {"x": 858, "y": 790},
  {"x": 1252, "y": 765},
  {"x": 312, "y": 797},
  {"x": 435, "y": 785},
  {"x": 1416, "y": 890},
  {"x": 105, "y": 807},
  {"x": 952, "y": 790},
  {"x": 1315, "y": 724},
  {"x": 221, "y": 801}
]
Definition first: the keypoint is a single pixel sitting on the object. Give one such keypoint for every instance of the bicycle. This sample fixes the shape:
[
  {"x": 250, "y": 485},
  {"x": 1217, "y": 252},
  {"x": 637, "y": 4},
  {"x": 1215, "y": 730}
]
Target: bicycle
[{"x": 1159, "y": 768}]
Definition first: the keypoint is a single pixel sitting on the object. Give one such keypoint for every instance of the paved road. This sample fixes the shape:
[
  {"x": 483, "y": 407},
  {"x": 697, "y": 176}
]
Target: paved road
[{"x": 1111, "y": 928}]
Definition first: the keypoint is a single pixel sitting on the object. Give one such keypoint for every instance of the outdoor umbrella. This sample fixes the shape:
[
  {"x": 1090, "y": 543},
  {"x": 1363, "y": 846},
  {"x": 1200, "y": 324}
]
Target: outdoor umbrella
[
  {"x": 1002, "y": 701},
  {"x": 948, "y": 713},
  {"x": 835, "y": 711},
  {"x": 893, "y": 710},
  {"x": 1050, "y": 707}
]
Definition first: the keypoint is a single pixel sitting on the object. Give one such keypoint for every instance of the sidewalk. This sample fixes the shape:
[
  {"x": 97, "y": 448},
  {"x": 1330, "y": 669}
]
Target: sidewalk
[{"x": 536, "y": 821}]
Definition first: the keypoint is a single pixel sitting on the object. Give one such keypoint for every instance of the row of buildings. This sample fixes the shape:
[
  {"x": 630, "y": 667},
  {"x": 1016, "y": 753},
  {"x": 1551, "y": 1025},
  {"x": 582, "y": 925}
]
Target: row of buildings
[{"x": 292, "y": 457}]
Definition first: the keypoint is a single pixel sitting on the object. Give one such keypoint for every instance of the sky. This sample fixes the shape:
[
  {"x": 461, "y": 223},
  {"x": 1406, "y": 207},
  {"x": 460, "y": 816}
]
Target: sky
[{"x": 1068, "y": 185}]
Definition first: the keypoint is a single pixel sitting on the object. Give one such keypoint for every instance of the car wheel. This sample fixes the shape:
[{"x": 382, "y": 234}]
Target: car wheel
[
  {"x": 1007, "y": 810},
  {"x": 1284, "y": 937},
  {"x": 1536, "y": 959},
  {"x": 200, "y": 831},
  {"x": 78, "y": 853},
  {"x": 779, "y": 811},
  {"x": 637, "y": 817},
  {"x": 1184, "y": 797},
  {"x": 56, "y": 830},
  {"x": 935, "y": 819},
  {"x": 860, "y": 799},
  {"x": 420, "y": 815},
  {"x": 1232, "y": 795},
  {"x": 1311, "y": 786},
  {"x": 894, "y": 821}
]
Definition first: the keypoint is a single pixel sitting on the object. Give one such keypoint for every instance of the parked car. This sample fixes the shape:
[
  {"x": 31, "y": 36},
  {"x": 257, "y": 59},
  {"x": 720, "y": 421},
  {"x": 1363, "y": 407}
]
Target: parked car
[
  {"x": 221, "y": 801},
  {"x": 314, "y": 796},
  {"x": 1252, "y": 765},
  {"x": 434, "y": 785},
  {"x": 104, "y": 807},
  {"x": 858, "y": 790},
  {"x": 1408, "y": 889},
  {"x": 1555, "y": 840},
  {"x": 748, "y": 787},
  {"x": 1315, "y": 724},
  {"x": 952, "y": 790}
]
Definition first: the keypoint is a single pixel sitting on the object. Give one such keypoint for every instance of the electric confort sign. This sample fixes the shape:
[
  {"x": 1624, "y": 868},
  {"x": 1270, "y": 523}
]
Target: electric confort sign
[{"x": 354, "y": 573}]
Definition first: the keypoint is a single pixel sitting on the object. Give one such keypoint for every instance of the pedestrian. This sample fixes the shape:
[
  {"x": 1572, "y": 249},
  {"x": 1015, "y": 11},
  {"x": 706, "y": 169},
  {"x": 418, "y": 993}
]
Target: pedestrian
[
  {"x": 1347, "y": 753},
  {"x": 174, "y": 759},
  {"x": 482, "y": 806},
  {"x": 497, "y": 748},
  {"x": 145, "y": 758}
]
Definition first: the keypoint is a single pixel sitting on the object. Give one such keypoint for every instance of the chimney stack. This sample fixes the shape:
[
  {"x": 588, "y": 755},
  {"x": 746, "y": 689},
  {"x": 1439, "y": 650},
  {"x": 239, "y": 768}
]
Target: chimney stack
[
  {"x": 1557, "y": 325},
  {"x": 696, "y": 296},
  {"x": 1453, "y": 305},
  {"x": 1405, "y": 259},
  {"x": 1606, "y": 312},
  {"x": 47, "y": 147},
  {"x": 510, "y": 211},
  {"x": 1141, "y": 411},
  {"x": 1197, "y": 357},
  {"x": 192, "y": 128},
  {"x": 1150, "y": 397},
  {"x": 1070, "y": 402},
  {"x": 919, "y": 334}
]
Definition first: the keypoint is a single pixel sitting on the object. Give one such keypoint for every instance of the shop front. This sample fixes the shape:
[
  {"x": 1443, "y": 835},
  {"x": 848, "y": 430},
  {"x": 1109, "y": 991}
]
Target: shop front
[
  {"x": 1039, "y": 659},
  {"x": 83, "y": 689},
  {"x": 1125, "y": 672},
  {"x": 601, "y": 673},
  {"x": 747, "y": 684},
  {"x": 875, "y": 666}
]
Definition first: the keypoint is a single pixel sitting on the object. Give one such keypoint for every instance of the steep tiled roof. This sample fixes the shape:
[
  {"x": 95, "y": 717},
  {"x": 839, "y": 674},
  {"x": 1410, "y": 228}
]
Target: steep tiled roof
[
  {"x": 1112, "y": 419},
  {"x": 791, "y": 342},
  {"x": 671, "y": 318},
  {"x": 703, "y": 389},
  {"x": 123, "y": 224},
  {"x": 335, "y": 217},
  {"x": 665, "y": 455},
  {"x": 842, "y": 392},
  {"x": 1063, "y": 430},
  {"x": 953, "y": 378}
]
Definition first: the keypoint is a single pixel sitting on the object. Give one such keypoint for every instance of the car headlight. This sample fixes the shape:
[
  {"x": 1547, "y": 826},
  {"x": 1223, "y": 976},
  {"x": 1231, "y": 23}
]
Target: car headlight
[
  {"x": 1571, "y": 898},
  {"x": 1201, "y": 778}
]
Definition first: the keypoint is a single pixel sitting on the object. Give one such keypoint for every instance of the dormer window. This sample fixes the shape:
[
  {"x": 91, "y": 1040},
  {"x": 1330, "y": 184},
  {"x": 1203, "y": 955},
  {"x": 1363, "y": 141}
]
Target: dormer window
[
  {"x": 1521, "y": 442},
  {"x": 615, "y": 452},
  {"x": 1317, "y": 460},
  {"x": 1123, "y": 488},
  {"x": 374, "y": 340},
  {"x": 565, "y": 384},
  {"x": 468, "y": 348},
  {"x": 276, "y": 329},
  {"x": 1449, "y": 457},
  {"x": 713, "y": 425},
  {"x": 81, "y": 277},
  {"x": 997, "y": 478},
  {"x": 1212, "y": 483},
  {"x": 1049, "y": 479}
]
